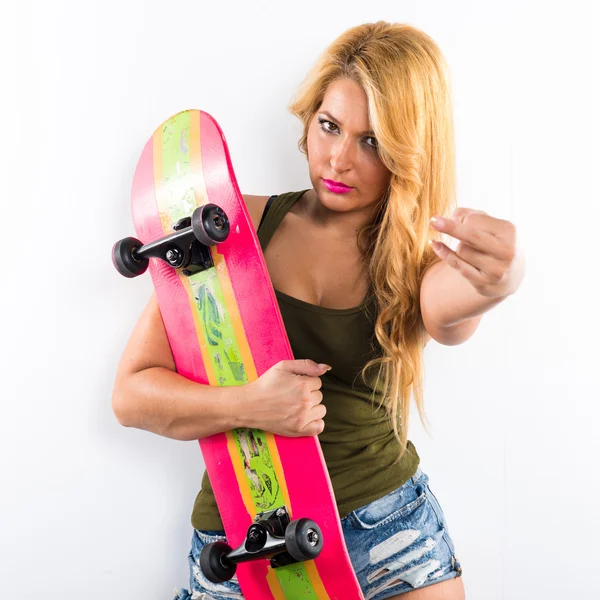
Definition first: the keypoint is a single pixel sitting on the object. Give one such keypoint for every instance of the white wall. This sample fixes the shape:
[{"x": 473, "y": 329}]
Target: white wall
[{"x": 89, "y": 509}]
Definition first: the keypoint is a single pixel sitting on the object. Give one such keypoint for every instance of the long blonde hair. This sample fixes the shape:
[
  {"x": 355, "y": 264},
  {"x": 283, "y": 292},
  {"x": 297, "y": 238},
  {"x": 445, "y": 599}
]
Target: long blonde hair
[{"x": 407, "y": 83}]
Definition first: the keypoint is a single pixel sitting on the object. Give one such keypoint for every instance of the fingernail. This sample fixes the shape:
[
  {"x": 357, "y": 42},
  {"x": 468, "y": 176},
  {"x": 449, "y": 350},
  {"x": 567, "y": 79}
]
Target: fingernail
[
  {"x": 437, "y": 221},
  {"x": 324, "y": 366}
]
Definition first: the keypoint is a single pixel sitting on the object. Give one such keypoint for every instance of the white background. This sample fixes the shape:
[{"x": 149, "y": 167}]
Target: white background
[{"x": 89, "y": 509}]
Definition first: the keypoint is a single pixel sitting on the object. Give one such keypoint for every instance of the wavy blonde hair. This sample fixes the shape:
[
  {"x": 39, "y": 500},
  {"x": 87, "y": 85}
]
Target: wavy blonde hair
[{"x": 407, "y": 83}]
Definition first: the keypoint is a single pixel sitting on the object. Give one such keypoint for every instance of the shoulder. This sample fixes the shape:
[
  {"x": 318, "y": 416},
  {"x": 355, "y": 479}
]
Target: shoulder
[{"x": 256, "y": 206}]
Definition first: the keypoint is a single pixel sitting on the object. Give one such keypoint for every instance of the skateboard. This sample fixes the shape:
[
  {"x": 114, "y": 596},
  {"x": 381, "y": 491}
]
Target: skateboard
[{"x": 194, "y": 234}]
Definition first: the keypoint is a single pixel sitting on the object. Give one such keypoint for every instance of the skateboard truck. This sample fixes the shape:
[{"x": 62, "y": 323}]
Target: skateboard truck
[
  {"x": 272, "y": 536},
  {"x": 188, "y": 248}
]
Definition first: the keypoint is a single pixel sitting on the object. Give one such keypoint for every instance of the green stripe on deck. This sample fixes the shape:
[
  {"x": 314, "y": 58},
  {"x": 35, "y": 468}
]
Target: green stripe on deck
[{"x": 212, "y": 312}]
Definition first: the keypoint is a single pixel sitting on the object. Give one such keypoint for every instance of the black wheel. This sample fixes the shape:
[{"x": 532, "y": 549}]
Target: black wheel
[
  {"x": 214, "y": 565},
  {"x": 303, "y": 539},
  {"x": 210, "y": 224},
  {"x": 122, "y": 257}
]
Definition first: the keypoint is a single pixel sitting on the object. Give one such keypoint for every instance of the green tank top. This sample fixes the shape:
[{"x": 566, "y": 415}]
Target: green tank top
[{"x": 358, "y": 441}]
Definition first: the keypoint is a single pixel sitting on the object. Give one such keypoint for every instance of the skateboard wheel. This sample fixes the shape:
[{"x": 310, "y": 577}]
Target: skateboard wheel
[
  {"x": 123, "y": 260},
  {"x": 214, "y": 565},
  {"x": 210, "y": 224},
  {"x": 303, "y": 539}
]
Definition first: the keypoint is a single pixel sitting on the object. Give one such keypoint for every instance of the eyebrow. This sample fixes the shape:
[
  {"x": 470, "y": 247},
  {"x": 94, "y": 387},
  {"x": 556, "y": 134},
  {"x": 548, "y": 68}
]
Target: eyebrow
[{"x": 328, "y": 114}]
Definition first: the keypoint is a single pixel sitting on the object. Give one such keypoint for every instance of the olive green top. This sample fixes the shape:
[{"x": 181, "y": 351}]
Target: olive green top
[{"x": 358, "y": 441}]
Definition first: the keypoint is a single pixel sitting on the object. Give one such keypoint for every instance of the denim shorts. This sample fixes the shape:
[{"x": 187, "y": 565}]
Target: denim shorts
[{"x": 397, "y": 543}]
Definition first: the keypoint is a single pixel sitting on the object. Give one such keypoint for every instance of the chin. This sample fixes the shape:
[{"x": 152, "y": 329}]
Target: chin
[{"x": 337, "y": 202}]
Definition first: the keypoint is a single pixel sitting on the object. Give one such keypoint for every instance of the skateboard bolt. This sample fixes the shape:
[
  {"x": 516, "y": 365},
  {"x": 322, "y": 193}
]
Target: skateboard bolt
[
  {"x": 257, "y": 535},
  {"x": 219, "y": 222},
  {"x": 313, "y": 537},
  {"x": 172, "y": 256},
  {"x": 280, "y": 512}
]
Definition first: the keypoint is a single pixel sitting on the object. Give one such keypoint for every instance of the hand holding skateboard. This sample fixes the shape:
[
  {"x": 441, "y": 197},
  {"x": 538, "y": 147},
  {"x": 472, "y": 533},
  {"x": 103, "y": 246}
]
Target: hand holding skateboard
[{"x": 286, "y": 399}]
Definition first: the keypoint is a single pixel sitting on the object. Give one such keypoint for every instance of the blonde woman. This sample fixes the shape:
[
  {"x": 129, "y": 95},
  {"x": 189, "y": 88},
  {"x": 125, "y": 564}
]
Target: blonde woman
[{"x": 361, "y": 291}]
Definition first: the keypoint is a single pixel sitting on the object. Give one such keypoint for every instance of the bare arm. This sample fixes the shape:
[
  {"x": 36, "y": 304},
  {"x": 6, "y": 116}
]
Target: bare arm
[
  {"x": 486, "y": 267},
  {"x": 447, "y": 301},
  {"x": 149, "y": 394}
]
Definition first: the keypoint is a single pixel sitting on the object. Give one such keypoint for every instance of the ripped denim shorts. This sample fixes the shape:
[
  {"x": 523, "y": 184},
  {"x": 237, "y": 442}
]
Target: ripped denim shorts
[{"x": 397, "y": 543}]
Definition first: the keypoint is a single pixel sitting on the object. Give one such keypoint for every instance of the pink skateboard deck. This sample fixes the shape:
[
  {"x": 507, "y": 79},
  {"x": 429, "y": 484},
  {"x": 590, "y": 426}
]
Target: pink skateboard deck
[{"x": 225, "y": 328}]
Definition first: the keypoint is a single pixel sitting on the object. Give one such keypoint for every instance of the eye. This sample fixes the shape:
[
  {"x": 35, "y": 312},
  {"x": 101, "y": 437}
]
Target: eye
[
  {"x": 325, "y": 125},
  {"x": 374, "y": 143}
]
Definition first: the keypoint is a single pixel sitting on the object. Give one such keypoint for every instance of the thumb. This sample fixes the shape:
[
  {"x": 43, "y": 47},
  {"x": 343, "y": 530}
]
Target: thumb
[{"x": 304, "y": 367}]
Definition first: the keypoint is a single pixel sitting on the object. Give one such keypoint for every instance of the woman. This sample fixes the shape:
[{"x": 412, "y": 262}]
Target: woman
[{"x": 361, "y": 288}]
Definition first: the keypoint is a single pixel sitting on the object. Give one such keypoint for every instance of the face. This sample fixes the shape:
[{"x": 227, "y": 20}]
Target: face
[{"x": 342, "y": 149}]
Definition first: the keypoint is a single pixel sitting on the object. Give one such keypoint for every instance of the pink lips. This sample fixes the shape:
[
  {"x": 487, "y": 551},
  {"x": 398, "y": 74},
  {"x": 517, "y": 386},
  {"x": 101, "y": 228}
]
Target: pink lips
[{"x": 336, "y": 187}]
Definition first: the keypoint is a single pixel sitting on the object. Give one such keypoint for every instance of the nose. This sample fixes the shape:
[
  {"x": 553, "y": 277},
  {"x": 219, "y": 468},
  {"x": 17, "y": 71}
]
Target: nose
[{"x": 342, "y": 155}]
